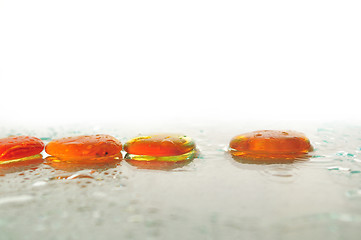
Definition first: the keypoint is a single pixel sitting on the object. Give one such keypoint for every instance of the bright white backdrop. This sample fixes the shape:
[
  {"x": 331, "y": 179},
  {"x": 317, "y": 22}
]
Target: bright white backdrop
[{"x": 74, "y": 61}]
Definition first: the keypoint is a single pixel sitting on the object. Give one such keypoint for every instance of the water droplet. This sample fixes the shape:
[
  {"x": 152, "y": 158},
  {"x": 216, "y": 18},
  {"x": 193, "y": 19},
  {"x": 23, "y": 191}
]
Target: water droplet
[
  {"x": 280, "y": 173},
  {"x": 136, "y": 218},
  {"x": 339, "y": 168},
  {"x": 354, "y": 193},
  {"x": 77, "y": 175},
  {"x": 45, "y": 138},
  {"x": 39, "y": 183},
  {"x": 16, "y": 199}
]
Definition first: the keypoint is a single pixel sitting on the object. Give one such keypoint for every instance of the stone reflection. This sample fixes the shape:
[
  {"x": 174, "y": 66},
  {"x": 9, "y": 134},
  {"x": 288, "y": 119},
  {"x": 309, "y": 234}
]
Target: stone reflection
[
  {"x": 269, "y": 160},
  {"x": 20, "y": 165},
  {"x": 161, "y": 163},
  {"x": 72, "y": 165},
  {"x": 157, "y": 165}
]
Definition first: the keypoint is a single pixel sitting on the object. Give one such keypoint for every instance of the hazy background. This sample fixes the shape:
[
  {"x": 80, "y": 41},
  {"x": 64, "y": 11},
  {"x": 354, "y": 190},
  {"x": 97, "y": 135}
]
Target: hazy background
[{"x": 105, "y": 61}]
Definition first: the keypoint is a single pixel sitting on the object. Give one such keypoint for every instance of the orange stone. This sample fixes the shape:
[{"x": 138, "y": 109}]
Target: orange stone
[
  {"x": 160, "y": 145},
  {"x": 270, "y": 144},
  {"x": 19, "y": 147},
  {"x": 84, "y": 147}
]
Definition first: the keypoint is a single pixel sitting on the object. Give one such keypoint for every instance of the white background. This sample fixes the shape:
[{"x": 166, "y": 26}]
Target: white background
[{"x": 71, "y": 61}]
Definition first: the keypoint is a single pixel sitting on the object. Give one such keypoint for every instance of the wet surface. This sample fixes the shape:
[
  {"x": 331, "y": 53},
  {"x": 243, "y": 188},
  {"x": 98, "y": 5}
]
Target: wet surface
[{"x": 211, "y": 197}]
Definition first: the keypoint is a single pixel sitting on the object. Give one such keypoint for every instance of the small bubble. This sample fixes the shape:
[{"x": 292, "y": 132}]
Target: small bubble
[
  {"x": 136, "y": 219},
  {"x": 39, "y": 184}
]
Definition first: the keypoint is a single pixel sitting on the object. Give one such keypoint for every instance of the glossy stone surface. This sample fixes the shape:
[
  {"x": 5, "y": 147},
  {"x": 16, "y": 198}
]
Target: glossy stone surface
[
  {"x": 270, "y": 144},
  {"x": 160, "y": 145},
  {"x": 84, "y": 147},
  {"x": 19, "y": 147}
]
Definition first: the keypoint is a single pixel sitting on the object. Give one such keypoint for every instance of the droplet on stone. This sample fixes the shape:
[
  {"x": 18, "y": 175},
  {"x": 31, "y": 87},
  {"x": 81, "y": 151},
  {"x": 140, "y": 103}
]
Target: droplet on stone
[{"x": 88, "y": 173}]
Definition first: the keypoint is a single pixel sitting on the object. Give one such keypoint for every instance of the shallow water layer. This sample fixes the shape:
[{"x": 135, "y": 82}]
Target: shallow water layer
[{"x": 211, "y": 197}]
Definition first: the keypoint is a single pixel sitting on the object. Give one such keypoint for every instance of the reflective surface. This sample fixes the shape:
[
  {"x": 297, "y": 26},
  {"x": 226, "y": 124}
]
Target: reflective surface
[{"x": 211, "y": 197}]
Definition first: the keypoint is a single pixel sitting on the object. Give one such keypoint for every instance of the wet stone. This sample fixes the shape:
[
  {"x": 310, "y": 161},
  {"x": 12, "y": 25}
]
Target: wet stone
[
  {"x": 19, "y": 147},
  {"x": 270, "y": 144},
  {"x": 84, "y": 147},
  {"x": 161, "y": 147}
]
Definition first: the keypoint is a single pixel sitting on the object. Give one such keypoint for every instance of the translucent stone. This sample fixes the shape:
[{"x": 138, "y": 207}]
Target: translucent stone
[
  {"x": 270, "y": 144},
  {"x": 84, "y": 148},
  {"x": 19, "y": 148},
  {"x": 161, "y": 147}
]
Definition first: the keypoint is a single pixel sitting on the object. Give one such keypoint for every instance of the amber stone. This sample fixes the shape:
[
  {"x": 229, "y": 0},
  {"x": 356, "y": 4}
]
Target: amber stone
[
  {"x": 19, "y": 147},
  {"x": 270, "y": 144},
  {"x": 84, "y": 147},
  {"x": 161, "y": 147}
]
